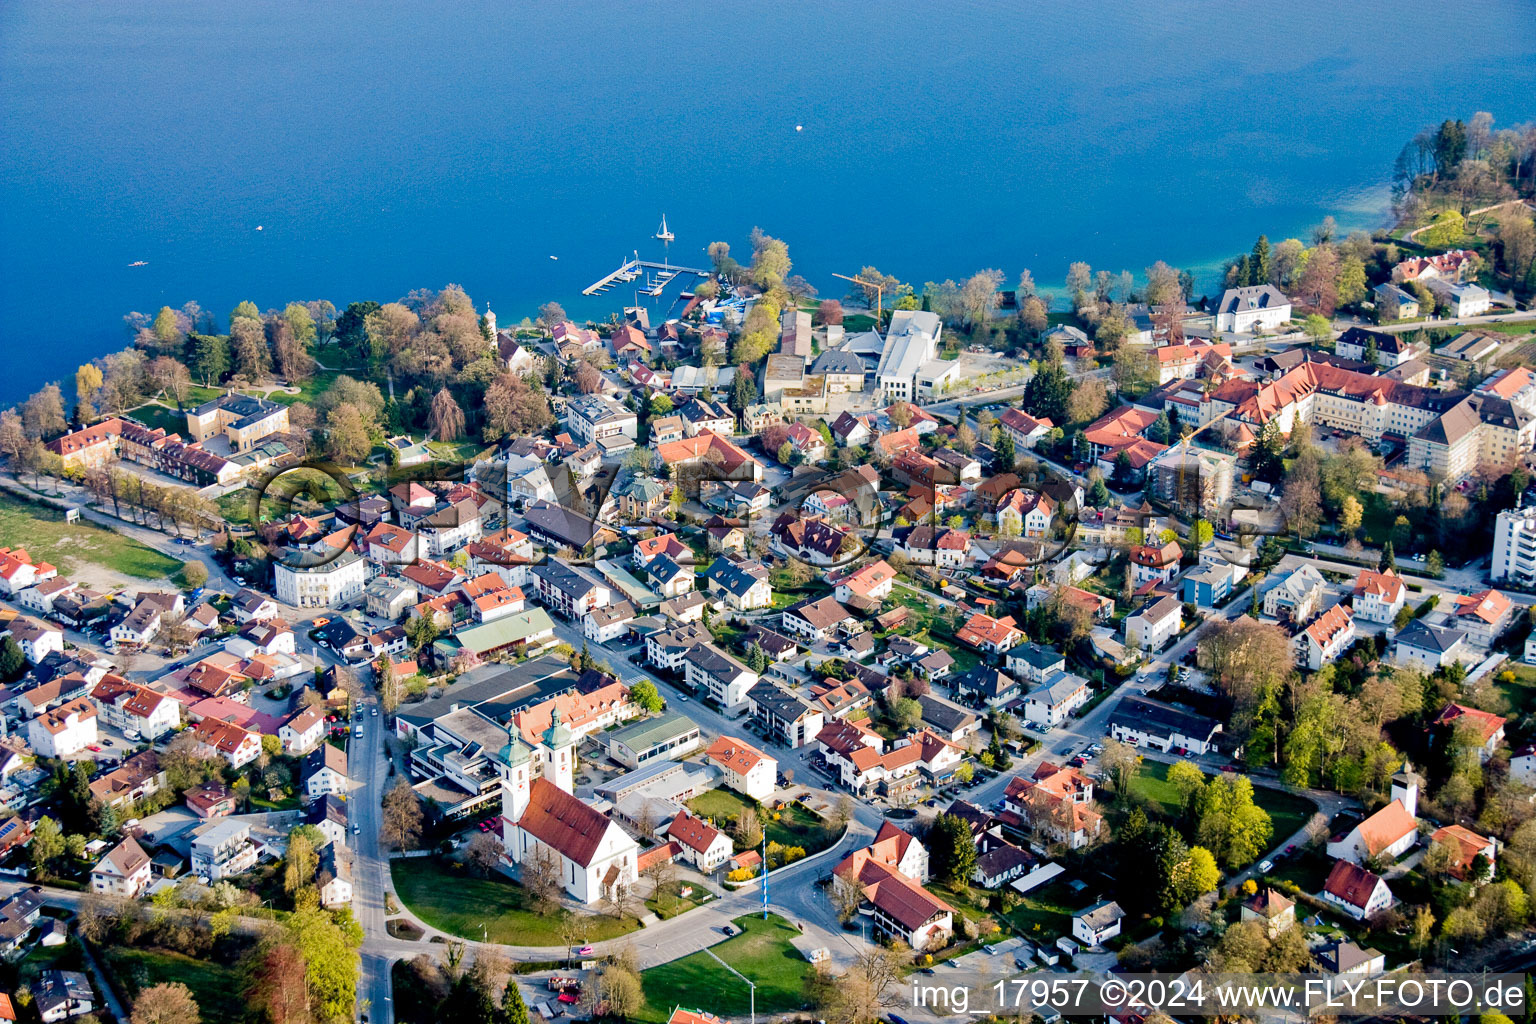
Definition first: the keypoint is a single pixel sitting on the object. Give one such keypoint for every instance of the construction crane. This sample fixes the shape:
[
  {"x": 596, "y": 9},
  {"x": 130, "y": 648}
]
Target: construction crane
[{"x": 879, "y": 293}]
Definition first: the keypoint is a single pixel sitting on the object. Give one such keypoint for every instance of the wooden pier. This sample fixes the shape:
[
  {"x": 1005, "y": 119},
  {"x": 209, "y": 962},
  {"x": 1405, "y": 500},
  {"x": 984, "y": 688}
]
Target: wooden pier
[{"x": 655, "y": 283}]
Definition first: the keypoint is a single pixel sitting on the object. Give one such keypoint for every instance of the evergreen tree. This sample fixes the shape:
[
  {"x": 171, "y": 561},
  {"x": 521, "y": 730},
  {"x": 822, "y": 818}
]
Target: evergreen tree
[
  {"x": 1259, "y": 265},
  {"x": 1435, "y": 564},
  {"x": 1006, "y": 454},
  {"x": 12, "y": 661},
  {"x": 1244, "y": 271},
  {"x": 1159, "y": 430},
  {"x": 1388, "y": 561},
  {"x": 1100, "y": 495},
  {"x": 513, "y": 1009}
]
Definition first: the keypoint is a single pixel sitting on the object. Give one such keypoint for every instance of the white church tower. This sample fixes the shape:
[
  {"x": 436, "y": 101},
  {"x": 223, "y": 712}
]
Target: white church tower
[
  {"x": 557, "y": 748},
  {"x": 514, "y": 763},
  {"x": 490, "y": 324}
]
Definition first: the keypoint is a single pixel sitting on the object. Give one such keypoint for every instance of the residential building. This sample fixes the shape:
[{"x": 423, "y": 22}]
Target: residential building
[
  {"x": 64, "y": 731},
  {"x": 986, "y": 685},
  {"x": 1150, "y": 627},
  {"x": 137, "y": 778},
  {"x": 1468, "y": 846},
  {"x": 210, "y": 800},
  {"x": 137, "y": 711},
  {"x": 712, "y": 672},
  {"x": 703, "y": 845},
  {"x": 744, "y": 768},
  {"x": 1452, "y": 266},
  {"x": 1394, "y": 302},
  {"x": 1514, "y": 546},
  {"x": 1057, "y": 802},
  {"x": 817, "y": 620},
  {"x": 1344, "y": 957},
  {"x": 787, "y": 717},
  {"x": 1155, "y": 563},
  {"x": 1097, "y": 924},
  {"x": 939, "y": 547},
  {"x": 866, "y": 587},
  {"x": 324, "y": 772},
  {"x": 1355, "y": 891},
  {"x": 1140, "y": 721},
  {"x": 1482, "y": 616},
  {"x": 324, "y": 585},
  {"x": 252, "y": 604},
  {"x": 236, "y": 746},
  {"x": 570, "y": 590},
  {"x": 898, "y": 906},
  {"x": 1296, "y": 597},
  {"x": 1461, "y": 300},
  {"x": 1252, "y": 308},
  {"x": 741, "y": 583},
  {"x": 1329, "y": 636},
  {"x": 1034, "y": 663},
  {"x": 124, "y": 871},
  {"x": 1272, "y": 911},
  {"x": 1379, "y": 596},
  {"x": 59, "y": 995},
  {"x": 222, "y": 849},
  {"x": 592, "y": 418},
  {"x": 608, "y": 623},
  {"x": 1464, "y": 724},
  {"x": 1024, "y": 429},
  {"x": 994, "y": 636},
  {"x": 1053, "y": 701},
  {"x": 1426, "y": 648}
]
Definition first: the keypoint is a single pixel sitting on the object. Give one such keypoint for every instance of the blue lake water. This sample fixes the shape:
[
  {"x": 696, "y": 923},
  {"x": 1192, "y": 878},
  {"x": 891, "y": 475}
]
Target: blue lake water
[{"x": 389, "y": 145}]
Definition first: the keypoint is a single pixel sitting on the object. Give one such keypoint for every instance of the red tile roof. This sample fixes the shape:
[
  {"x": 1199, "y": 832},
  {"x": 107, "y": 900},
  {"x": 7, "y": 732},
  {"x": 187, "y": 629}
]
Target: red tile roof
[{"x": 563, "y": 823}]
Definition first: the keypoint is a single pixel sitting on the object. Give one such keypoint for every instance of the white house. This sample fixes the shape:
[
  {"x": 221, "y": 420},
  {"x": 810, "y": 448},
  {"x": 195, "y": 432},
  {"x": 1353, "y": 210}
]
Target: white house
[
  {"x": 703, "y": 845},
  {"x": 709, "y": 670},
  {"x": 1255, "y": 307},
  {"x": 1097, "y": 924},
  {"x": 746, "y": 769},
  {"x": 36, "y": 639},
  {"x": 325, "y": 772},
  {"x": 1151, "y": 627},
  {"x": 1424, "y": 648},
  {"x": 1379, "y": 596},
  {"x": 1143, "y": 722},
  {"x": 1052, "y": 701},
  {"x": 64, "y": 731},
  {"x": 1356, "y": 891},
  {"x": 222, "y": 849},
  {"x": 303, "y": 732},
  {"x": 1329, "y": 636},
  {"x": 323, "y": 585},
  {"x": 124, "y": 871}
]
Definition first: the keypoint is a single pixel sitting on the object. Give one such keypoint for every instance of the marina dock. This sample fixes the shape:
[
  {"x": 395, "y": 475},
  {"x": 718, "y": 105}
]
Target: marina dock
[{"x": 657, "y": 276}]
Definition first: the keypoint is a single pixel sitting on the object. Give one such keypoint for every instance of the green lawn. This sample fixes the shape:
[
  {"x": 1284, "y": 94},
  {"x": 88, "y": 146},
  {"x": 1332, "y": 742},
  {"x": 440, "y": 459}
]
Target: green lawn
[
  {"x": 446, "y": 897},
  {"x": 169, "y": 420},
  {"x": 762, "y": 951},
  {"x": 215, "y": 987},
  {"x": 670, "y": 902},
  {"x": 1287, "y": 811},
  {"x": 47, "y": 537},
  {"x": 1045, "y": 913},
  {"x": 795, "y": 826},
  {"x": 1519, "y": 695}
]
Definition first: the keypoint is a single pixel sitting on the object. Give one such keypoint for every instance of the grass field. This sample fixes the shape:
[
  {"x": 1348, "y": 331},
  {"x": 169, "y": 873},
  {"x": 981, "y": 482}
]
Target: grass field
[
  {"x": 446, "y": 897},
  {"x": 1045, "y": 913},
  {"x": 762, "y": 951},
  {"x": 215, "y": 987},
  {"x": 169, "y": 420},
  {"x": 795, "y": 825},
  {"x": 1287, "y": 811},
  {"x": 47, "y": 537}
]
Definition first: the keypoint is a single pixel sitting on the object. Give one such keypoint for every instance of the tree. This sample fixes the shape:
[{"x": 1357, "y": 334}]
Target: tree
[
  {"x": 1047, "y": 393},
  {"x": 300, "y": 862},
  {"x": 749, "y": 830},
  {"x": 1119, "y": 762},
  {"x": 847, "y": 896},
  {"x": 1088, "y": 401},
  {"x": 1351, "y": 286},
  {"x": 166, "y": 1003},
  {"x": 248, "y": 346},
  {"x": 951, "y": 849},
  {"x": 446, "y": 419},
  {"x": 483, "y": 853},
  {"x": 1229, "y": 823},
  {"x": 42, "y": 414},
  {"x": 46, "y": 847},
  {"x": 1301, "y": 500},
  {"x": 1351, "y": 512},
  {"x": 551, "y": 314},
  {"x": 1187, "y": 778},
  {"x": 905, "y": 713},
  {"x": 1388, "y": 560},
  {"x": 1435, "y": 564},
  {"x": 13, "y": 661},
  {"x": 979, "y": 296},
  {"x": 829, "y": 313},
  {"x": 513, "y": 1009},
  {"x": 645, "y": 694},
  {"x": 347, "y": 435},
  {"x": 402, "y": 816},
  {"x": 1007, "y": 455},
  {"x": 194, "y": 574}
]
